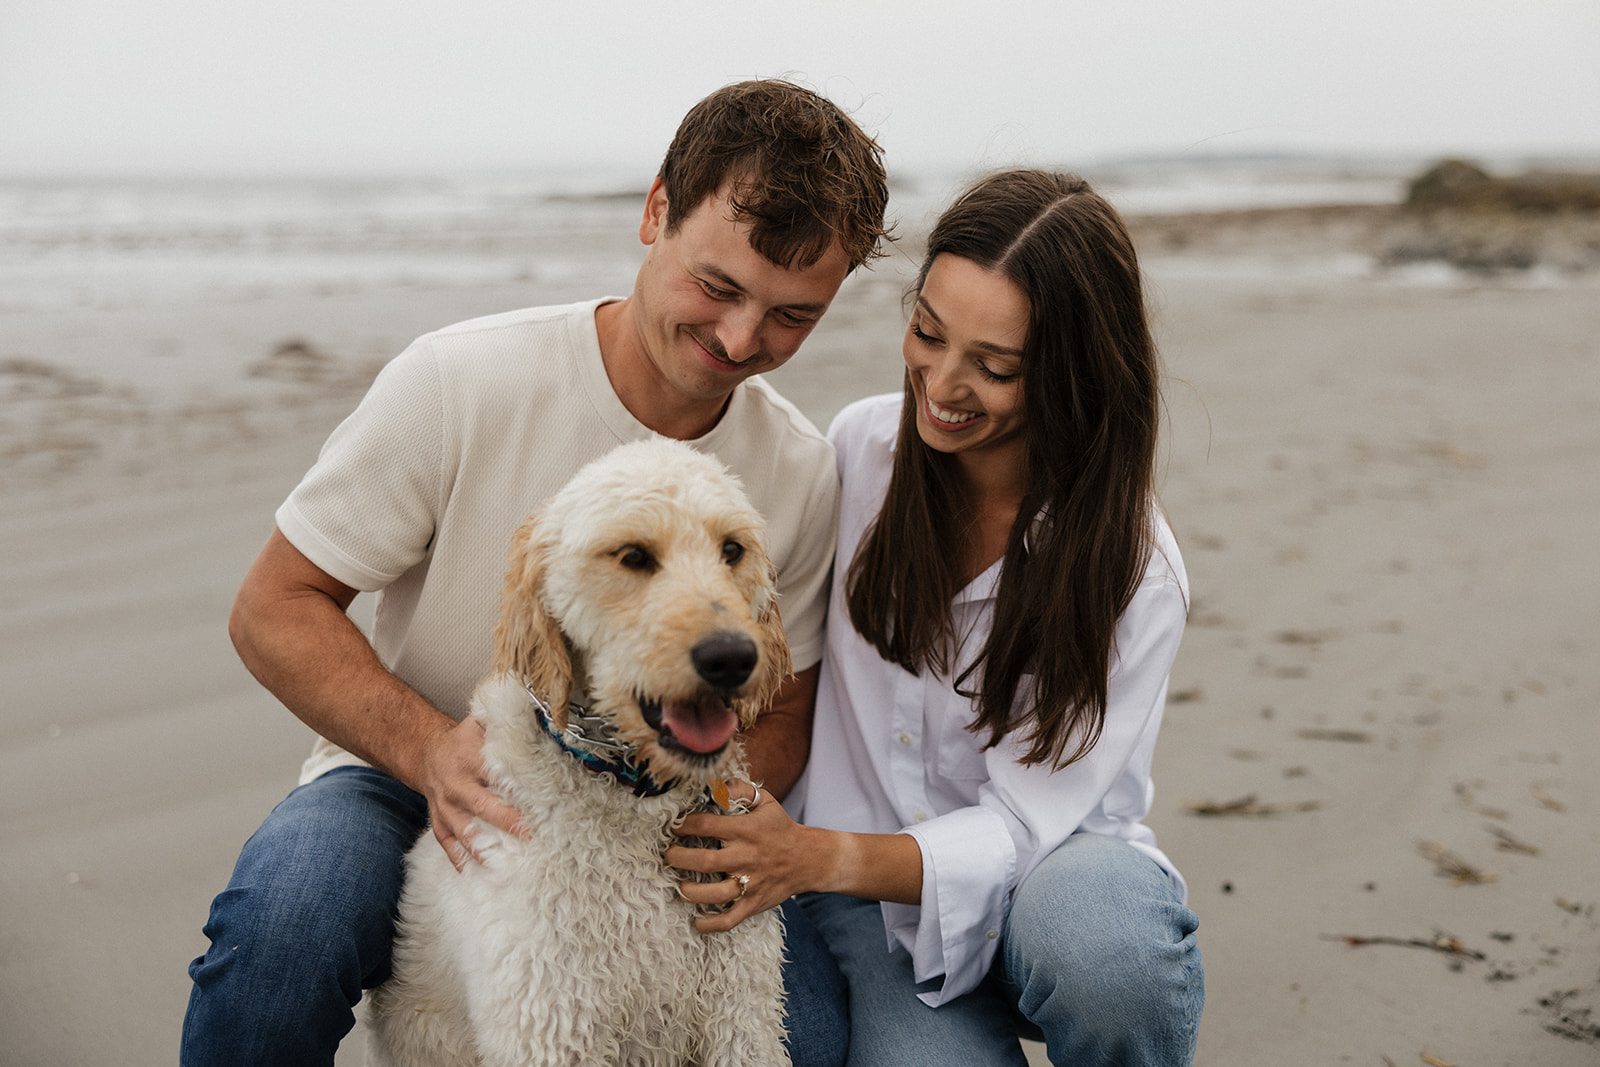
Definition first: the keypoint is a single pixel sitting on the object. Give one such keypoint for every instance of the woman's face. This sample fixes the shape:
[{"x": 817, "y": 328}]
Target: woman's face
[{"x": 963, "y": 351}]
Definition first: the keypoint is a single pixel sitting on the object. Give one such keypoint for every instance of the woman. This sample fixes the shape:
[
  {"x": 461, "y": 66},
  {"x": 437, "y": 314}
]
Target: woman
[{"x": 1006, "y": 606}]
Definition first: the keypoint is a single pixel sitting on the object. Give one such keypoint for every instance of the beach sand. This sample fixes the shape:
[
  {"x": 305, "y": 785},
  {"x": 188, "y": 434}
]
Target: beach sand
[{"x": 1384, "y": 485}]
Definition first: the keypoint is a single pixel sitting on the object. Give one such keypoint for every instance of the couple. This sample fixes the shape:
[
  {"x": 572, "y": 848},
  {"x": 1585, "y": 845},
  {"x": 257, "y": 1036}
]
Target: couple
[{"x": 1003, "y": 611}]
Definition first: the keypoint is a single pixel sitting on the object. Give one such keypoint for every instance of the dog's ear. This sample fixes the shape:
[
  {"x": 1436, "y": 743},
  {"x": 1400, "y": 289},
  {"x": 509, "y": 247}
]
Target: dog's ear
[
  {"x": 776, "y": 666},
  {"x": 527, "y": 641}
]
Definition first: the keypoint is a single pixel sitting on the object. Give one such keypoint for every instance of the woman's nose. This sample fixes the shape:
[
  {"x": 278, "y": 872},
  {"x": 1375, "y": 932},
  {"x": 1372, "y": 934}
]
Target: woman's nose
[{"x": 942, "y": 378}]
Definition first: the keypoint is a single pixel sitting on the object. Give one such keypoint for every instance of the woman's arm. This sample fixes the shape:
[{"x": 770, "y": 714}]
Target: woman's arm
[
  {"x": 978, "y": 855},
  {"x": 781, "y": 857}
]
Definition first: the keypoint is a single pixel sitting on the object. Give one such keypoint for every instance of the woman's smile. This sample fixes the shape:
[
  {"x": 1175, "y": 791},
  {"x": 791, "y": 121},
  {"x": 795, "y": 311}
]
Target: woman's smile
[
  {"x": 950, "y": 418},
  {"x": 964, "y": 345}
]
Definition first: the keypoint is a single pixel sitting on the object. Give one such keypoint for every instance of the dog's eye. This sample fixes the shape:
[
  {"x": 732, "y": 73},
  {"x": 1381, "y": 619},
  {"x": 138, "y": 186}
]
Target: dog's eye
[
  {"x": 636, "y": 559},
  {"x": 732, "y": 552}
]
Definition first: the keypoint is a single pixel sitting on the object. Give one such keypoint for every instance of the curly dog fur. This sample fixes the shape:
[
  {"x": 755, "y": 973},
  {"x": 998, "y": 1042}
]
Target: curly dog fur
[{"x": 644, "y": 589}]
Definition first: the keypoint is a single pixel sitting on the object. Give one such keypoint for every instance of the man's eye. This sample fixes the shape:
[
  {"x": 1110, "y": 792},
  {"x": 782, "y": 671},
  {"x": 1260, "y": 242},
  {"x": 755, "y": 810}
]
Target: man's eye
[{"x": 732, "y": 552}]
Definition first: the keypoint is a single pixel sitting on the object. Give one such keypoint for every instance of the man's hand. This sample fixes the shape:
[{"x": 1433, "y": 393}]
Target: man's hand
[
  {"x": 457, "y": 788},
  {"x": 291, "y": 630}
]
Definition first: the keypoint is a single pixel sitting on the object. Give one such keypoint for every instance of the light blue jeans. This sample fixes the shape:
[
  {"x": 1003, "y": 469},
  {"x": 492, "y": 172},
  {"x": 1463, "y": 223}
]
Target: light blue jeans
[
  {"x": 306, "y": 923},
  {"x": 1098, "y": 960}
]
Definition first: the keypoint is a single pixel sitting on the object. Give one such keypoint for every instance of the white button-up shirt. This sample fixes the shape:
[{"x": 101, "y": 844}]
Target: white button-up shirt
[{"x": 891, "y": 753}]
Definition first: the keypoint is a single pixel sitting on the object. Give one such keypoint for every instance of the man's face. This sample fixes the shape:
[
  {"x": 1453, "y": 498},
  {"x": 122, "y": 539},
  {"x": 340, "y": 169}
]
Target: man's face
[{"x": 712, "y": 310}]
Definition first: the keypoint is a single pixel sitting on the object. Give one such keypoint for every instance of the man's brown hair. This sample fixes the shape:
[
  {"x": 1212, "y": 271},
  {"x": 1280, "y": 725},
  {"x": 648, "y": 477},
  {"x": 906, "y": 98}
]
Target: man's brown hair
[{"x": 796, "y": 168}]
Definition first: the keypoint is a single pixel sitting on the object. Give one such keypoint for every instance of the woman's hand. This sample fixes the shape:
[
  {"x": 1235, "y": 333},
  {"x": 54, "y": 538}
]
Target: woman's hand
[{"x": 767, "y": 857}]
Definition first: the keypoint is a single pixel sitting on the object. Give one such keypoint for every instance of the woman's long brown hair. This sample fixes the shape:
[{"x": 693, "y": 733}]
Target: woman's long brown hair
[{"x": 1082, "y": 537}]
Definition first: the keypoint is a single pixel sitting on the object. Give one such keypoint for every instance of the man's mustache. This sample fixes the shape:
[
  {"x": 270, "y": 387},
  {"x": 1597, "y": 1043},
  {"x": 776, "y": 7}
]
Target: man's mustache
[{"x": 714, "y": 346}]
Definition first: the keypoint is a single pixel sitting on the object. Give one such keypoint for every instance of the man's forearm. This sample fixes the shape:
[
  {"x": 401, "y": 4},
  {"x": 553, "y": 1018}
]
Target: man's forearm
[
  {"x": 780, "y": 742},
  {"x": 290, "y": 629}
]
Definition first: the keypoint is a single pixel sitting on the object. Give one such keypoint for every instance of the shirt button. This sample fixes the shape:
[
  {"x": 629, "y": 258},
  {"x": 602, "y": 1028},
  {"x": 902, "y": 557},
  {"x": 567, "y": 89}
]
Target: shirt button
[
  {"x": 992, "y": 934},
  {"x": 920, "y": 816},
  {"x": 906, "y": 739}
]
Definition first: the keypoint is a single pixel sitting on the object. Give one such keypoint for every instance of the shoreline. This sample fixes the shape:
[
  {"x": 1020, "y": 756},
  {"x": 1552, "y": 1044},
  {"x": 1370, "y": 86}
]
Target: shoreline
[{"x": 59, "y": 415}]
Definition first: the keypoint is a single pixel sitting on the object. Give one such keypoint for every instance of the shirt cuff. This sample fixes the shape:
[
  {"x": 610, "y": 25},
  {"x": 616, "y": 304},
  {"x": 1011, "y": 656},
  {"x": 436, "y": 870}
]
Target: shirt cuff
[{"x": 968, "y": 863}]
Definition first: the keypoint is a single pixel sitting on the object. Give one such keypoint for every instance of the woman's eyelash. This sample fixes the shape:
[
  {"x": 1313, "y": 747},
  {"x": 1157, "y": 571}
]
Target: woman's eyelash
[{"x": 928, "y": 338}]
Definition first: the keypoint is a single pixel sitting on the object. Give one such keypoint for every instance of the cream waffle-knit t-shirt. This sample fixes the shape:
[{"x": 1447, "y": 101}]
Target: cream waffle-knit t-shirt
[{"x": 470, "y": 429}]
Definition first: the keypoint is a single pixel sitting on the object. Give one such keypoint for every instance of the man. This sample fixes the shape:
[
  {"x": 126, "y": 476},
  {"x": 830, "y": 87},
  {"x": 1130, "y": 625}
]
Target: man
[{"x": 768, "y": 197}]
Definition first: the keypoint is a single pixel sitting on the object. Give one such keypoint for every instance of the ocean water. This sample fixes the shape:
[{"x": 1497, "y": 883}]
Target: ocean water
[
  {"x": 88, "y": 244},
  {"x": 84, "y": 244},
  {"x": 132, "y": 304}
]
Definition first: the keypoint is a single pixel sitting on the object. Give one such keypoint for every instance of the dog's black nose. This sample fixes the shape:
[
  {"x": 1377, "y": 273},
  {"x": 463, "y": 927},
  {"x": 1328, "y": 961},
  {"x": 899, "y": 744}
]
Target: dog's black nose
[{"x": 725, "y": 659}]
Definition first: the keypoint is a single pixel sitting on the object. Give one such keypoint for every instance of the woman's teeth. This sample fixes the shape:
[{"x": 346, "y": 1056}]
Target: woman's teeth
[{"x": 951, "y": 417}]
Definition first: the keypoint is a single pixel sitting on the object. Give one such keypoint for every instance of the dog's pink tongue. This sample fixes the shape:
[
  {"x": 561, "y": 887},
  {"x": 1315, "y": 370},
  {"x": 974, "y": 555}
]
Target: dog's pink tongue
[{"x": 703, "y": 727}]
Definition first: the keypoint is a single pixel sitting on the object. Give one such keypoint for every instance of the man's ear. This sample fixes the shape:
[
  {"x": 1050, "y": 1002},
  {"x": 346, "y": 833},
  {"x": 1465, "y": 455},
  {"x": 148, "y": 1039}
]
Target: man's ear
[{"x": 654, "y": 223}]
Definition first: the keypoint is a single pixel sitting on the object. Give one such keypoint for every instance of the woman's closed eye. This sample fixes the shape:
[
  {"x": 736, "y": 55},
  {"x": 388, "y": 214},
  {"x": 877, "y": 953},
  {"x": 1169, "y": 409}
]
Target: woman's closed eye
[{"x": 996, "y": 376}]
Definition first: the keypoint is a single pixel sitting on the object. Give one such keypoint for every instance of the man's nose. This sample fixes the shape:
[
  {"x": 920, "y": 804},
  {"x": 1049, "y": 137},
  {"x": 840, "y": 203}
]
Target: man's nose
[{"x": 740, "y": 334}]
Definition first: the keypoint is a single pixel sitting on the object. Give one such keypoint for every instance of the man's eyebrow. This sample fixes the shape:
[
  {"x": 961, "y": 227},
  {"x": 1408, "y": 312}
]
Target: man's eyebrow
[
  {"x": 718, "y": 275},
  {"x": 987, "y": 346}
]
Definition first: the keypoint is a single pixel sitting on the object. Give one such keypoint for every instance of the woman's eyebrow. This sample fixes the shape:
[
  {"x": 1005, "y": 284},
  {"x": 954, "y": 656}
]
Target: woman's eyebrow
[{"x": 987, "y": 346}]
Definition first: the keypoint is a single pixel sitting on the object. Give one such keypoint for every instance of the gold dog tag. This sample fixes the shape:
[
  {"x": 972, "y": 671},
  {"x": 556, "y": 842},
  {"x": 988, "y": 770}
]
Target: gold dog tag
[{"x": 720, "y": 794}]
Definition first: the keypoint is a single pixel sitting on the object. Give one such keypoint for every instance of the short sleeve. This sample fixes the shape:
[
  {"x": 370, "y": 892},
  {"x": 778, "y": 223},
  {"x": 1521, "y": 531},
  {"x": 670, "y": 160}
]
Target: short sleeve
[{"x": 368, "y": 509}]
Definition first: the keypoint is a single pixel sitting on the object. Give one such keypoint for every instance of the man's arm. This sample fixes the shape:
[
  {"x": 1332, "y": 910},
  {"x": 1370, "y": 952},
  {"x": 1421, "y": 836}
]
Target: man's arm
[
  {"x": 780, "y": 742},
  {"x": 290, "y": 629}
]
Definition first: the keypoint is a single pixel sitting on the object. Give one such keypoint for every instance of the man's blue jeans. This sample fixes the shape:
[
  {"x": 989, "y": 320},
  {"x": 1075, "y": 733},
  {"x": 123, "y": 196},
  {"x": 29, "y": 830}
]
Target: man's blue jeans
[
  {"x": 306, "y": 923},
  {"x": 1098, "y": 960}
]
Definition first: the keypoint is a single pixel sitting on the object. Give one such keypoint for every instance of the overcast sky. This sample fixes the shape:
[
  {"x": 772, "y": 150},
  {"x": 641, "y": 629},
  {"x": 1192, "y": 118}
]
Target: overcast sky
[{"x": 426, "y": 85}]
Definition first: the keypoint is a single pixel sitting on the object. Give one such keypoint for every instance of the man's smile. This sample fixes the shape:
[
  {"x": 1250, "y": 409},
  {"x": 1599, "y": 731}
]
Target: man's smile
[{"x": 715, "y": 350}]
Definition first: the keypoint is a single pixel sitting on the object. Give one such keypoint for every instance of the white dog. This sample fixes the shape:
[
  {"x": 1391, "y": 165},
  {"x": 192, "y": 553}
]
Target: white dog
[{"x": 643, "y": 595}]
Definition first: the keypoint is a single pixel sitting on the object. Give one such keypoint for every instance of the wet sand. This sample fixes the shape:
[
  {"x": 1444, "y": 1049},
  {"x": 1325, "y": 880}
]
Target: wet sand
[{"x": 1383, "y": 717}]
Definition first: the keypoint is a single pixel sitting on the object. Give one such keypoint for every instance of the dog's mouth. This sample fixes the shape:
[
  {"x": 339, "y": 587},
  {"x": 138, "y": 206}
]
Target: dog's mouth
[{"x": 700, "y": 727}]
